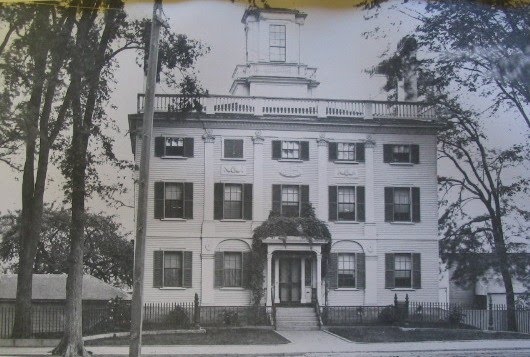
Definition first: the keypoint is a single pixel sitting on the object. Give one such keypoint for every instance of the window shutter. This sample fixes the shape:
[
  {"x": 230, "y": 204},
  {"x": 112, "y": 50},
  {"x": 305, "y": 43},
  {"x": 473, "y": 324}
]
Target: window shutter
[
  {"x": 389, "y": 271},
  {"x": 416, "y": 270},
  {"x": 159, "y": 146},
  {"x": 276, "y": 149},
  {"x": 304, "y": 198},
  {"x": 332, "y": 276},
  {"x": 188, "y": 200},
  {"x": 247, "y": 201},
  {"x": 360, "y": 204},
  {"x": 219, "y": 269},
  {"x": 246, "y": 269},
  {"x": 389, "y": 204},
  {"x": 415, "y": 154},
  {"x": 188, "y": 147},
  {"x": 218, "y": 194},
  {"x": 159, "y": 200},
  {"x": 359, "y": 152},
  {"x": 277, "y": 199},
  {"x": 332, "y": 203},
  {"x": 416, "y": 215},
  {"x": 332, "y": 151},
  {"x": 361, "y": 270},
  {"x": 304, "y": 150},
  {"x": 387, "y": 153},
  {"x": 187, "y": 269},
  {"x": 158, "y": 268}
]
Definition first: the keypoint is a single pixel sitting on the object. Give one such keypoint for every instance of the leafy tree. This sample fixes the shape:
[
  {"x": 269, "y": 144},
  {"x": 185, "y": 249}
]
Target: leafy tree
[
  {"x": 462, "y": 44},
  {"x": 108, "y": 253}
]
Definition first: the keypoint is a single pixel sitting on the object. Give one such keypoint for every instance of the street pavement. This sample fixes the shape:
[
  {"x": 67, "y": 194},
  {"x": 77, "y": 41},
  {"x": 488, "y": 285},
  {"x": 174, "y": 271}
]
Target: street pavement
[{"x": 317, "y": 344}]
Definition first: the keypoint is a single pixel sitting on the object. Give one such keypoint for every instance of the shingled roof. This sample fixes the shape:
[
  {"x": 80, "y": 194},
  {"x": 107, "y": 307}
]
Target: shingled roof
[{"x": 53, "y": 287}]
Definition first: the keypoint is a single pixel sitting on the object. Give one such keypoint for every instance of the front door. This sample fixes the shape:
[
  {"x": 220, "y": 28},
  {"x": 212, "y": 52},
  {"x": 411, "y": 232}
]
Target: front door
[{"x": 290, "y": 284}]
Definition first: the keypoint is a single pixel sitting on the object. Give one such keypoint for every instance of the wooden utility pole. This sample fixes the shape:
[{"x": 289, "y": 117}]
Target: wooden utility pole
[{"x": 135, "y": 347}]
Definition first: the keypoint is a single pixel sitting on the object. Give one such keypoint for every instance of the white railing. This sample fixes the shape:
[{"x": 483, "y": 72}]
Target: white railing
[{"x": 301, "y": 107}]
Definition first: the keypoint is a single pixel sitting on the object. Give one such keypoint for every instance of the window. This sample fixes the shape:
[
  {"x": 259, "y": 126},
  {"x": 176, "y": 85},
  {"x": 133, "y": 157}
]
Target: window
[
  {"x": 402, "y": 204},
  {"x": 233, "y": 201},
  {"x": 173, "y": 269},
  {"x": 346, "y": 270},
  {"x": 277, "y": 43},
  {"x": 401, "y": 153},
  {"x": 233, "y": 148},
  {"x": 346, "y": 151},
  {"x": 172, "y": 146},
  {"x": 233, "y": 269},
  {"x": 290, "y": 150},
  {"x": 402, "y": 270},
  {"x": 346, "y": 203},
  {"x": 290, "y": 201},
  {"x": 173, "y": 200}
]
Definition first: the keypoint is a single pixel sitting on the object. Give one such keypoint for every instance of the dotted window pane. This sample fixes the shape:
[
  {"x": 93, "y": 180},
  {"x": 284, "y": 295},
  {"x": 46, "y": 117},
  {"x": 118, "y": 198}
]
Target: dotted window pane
[
  {"x": 346, "y": 151},
  {"x": 290, "y": 149}
]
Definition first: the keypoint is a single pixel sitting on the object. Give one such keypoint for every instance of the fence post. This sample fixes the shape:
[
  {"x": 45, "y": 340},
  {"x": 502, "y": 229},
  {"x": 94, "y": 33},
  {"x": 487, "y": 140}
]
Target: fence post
[
  {"x": 197, "y": 311},
  {"x": 396, "y": 309},
  {"x": 490, "y": 315},
  {"x": 407, "y": 306}
]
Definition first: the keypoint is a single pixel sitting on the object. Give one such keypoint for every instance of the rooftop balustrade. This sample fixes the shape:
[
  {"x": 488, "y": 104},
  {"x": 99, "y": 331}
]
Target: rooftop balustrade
[{"x": 300, "y": 107}]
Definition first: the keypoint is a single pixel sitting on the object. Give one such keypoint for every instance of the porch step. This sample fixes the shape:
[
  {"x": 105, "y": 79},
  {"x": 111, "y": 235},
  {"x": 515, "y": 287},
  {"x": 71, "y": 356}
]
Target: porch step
[{"x": 296, "y": 318}]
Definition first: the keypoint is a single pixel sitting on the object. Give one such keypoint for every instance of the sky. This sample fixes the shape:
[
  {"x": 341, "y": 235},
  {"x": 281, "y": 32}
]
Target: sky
[{"x": 331, "y": 40}]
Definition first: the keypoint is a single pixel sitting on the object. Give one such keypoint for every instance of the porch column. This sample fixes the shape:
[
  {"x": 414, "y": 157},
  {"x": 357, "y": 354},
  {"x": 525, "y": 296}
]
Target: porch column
[
  {"x": 322, "y": 207},
  {"x": 269, "y": 279},
  {"x": 319, "y": 278},
  {"x": 302, "y": 280},
  {"x": 277, "y": 280}
]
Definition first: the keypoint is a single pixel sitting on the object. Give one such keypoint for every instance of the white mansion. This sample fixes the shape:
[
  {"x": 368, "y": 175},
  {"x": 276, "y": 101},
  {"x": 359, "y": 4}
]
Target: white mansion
[{"x": 367, "y": 167}]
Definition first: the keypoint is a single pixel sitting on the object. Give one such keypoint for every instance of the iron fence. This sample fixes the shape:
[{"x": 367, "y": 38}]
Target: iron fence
[{"x": 233, "y": 316}]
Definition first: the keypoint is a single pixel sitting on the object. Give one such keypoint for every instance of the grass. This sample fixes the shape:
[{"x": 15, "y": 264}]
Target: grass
[
  {"x": 395, "y": 334},
  {"x": 211, "y": 337}
]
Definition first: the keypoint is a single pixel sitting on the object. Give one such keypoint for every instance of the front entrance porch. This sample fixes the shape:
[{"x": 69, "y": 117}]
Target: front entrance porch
[{"x": 293, "y": 271}]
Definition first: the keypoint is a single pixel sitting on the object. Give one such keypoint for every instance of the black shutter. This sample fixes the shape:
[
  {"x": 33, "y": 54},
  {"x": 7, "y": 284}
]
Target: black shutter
[
  {"x": 219, "y": 269},
  {"x": 389, "y": 204},
  {"x": 332, "y": 151},
  {"x": 304, "y": 198},
  {"x": 387, "y": 153},
  {"x": 158, "y": 268},
  {"x": 415, "y": 154},
  {"x": 188, "y": 200},
  {"x": 416, "y": 214},
  {"x": 247, "y": 201},
  {"x": 276, "y": 149},
  {"x": 332, "y": 275},
  {"x": 332, "y": 203},
  {"x": 246, "y": 269},
  {"x": 304, "y": 150},
  {"x": 159, "y": 146},
  {"x": 187, "y": 269},
  {"x": 416, "y": 270},
  {"x": 359, "y": 152},
  {"x": 389, "y": 271},
  {"x": 361, "y": 271},
  {"x": 159, "y": 200},
  {"x": 277, "y": 199},
  {"x": 218, "y": 194},
  {"x": 360, "y": 211},
  {"x": 188, "y": 147}
]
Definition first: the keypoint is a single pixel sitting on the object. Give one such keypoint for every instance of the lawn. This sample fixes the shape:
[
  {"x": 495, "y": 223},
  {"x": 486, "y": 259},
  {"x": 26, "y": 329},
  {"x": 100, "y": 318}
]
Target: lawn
[
  {"x": 211, "y": 337},
  {"x": 395, "y": 334}
]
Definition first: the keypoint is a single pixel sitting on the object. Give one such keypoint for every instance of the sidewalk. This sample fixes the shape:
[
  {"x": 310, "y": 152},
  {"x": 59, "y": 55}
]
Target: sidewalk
[{"x": 302, "y": 342}]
